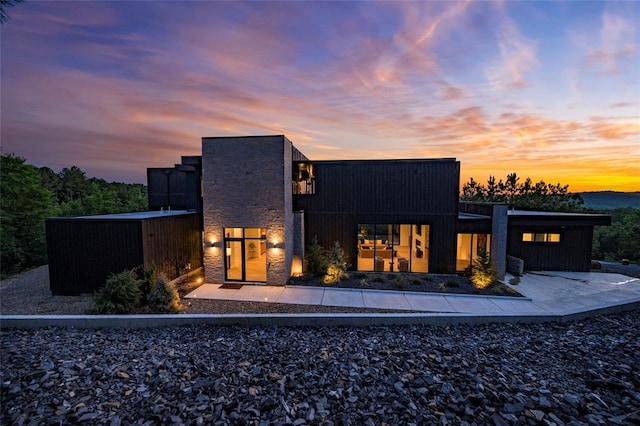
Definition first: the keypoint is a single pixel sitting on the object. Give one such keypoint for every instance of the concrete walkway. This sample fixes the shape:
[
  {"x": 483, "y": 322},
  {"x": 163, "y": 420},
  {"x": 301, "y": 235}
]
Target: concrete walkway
[
  {"x": 549, "y": 296},
  {"x": 546, "y": 293}
]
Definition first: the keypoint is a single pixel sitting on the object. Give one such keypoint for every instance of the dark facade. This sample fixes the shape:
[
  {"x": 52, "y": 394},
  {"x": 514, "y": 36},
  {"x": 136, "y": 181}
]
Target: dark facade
[
  {"x": 84, "y": 251},
  {"x": 176, "y": 188},
  {"x": 356, "y": 192},
  {"x": 553, "y": 241}
]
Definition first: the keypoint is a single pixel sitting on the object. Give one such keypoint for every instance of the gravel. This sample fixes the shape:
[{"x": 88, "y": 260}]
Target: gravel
[
  {"x": 583, "y": 372},
  {"x": 29, "y": 294}
]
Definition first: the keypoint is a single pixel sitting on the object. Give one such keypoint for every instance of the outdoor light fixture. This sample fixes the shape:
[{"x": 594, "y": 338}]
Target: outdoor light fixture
[{"x": 228, "y": 251}]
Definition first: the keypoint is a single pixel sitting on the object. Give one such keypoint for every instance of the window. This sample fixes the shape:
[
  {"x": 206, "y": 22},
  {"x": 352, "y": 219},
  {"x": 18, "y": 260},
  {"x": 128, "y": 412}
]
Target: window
[
  {"x": 304, "y": 179},
  {"x": 532, "y": 237},
  {"x": 393, "y": 247}
]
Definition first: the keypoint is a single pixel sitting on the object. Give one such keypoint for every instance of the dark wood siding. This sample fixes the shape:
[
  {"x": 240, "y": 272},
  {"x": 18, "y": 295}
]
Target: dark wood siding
[
  {"x": 178, "y": 187},
  {"x": 84, "y": 252},
  {"x": 572, "y": 253},
  {"x": 349, "y": 193},
  {"x": 171, "y": 243}
]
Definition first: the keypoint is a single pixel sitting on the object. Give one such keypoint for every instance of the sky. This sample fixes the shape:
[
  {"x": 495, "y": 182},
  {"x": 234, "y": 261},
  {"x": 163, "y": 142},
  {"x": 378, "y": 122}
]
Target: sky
[{"x": 549, "y": 90}]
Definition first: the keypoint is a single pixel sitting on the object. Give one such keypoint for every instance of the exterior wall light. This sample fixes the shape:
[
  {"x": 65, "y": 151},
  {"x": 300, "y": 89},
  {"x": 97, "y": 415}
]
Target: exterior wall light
[{"x": 277, "y": 245}]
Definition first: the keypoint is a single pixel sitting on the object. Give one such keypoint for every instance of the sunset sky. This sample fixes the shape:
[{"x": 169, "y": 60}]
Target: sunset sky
[{"x": 550, "y": 90}]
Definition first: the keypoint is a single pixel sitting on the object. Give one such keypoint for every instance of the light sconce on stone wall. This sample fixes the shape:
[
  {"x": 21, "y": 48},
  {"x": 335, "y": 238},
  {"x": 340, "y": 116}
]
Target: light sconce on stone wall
[{"x": 277, "y": 245}]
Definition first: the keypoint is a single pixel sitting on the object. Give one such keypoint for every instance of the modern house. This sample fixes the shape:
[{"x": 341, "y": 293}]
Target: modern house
[{"x": 260, "y": 202}]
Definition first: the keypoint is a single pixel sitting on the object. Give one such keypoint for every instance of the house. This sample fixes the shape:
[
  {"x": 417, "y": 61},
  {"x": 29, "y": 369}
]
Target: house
[
  {"x": 260, "y": 202},
  {"x": 264, "y": 201}
]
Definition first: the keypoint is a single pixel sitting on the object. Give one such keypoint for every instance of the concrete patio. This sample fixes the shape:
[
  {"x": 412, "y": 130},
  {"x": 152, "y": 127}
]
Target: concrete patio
[{"x": 545, "y": 293}]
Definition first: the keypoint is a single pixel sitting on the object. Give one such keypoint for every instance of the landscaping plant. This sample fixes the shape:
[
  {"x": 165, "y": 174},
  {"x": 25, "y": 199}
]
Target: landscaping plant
[
  {"x": 121, "y": 294},
  {"x": 483, "y": 274},
  {"x": 337, "y": 265},
  {"x": 315, "y": 260},
  {"x": 164, "y": 298}
]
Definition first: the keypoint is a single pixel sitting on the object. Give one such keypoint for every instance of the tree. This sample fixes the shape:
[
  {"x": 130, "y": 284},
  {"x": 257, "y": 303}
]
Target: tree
[
  {"x": 4, "y": 5},
  {"x": 24, "y": 205},
  {"x": 621, "y": 240},
  {"x": 523, "y": 195},
  {"x": 30, "y": 194}
]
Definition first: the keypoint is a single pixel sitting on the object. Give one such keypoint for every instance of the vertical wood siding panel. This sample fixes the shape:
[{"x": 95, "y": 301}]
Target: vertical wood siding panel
[{"x": 352, "y": 192}]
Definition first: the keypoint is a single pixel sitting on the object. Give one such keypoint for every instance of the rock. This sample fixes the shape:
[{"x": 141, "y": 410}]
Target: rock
[{"x": 463, "y": 375}]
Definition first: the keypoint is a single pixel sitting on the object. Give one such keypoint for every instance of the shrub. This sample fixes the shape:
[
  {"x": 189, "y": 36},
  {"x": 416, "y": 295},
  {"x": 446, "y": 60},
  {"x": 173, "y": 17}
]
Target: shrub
[
  {"x": 146, "y": 284},
  {"x": 121, "y": 294},
  {"x": 483, "y": 273},
  {"x": 397, "y": 281},
  {"x": 452, "y": 283},
  {"x": 379, "y": 279},
  {"x": 333, "y": 275},
  {"x": 164, "y": 298},
  {"x": 364, "y": 282},
  {"x": 416, "y": 281},
  {"x": 315, "y": 260},
  {"x": 337, "y": 266}
]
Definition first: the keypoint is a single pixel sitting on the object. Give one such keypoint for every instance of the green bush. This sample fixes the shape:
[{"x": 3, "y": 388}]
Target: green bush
[
  {"x": 315, "y": 260},
  {"x": 149, "y": 278},
  {"x": 121, "y": 294},
  {"x": 364, "y": 282},
  {"x": 483, "y": 273},
  {"x": 397, "y": 281},
  {"x": 164, "y": 298},
  {"x": 452, "y": 283},
  {"x": 337, "y": 265}
]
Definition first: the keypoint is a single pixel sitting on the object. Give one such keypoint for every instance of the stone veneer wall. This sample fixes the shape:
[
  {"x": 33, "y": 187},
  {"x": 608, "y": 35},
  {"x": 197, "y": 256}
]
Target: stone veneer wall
[{"x": 247, "y": 184}]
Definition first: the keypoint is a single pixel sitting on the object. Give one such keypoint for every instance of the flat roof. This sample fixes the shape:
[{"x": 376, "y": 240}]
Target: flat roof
[
  {"x": 131, "y": 215},
  {"x": 525, "y": 213},
  {"x": 471, "y": 216}
]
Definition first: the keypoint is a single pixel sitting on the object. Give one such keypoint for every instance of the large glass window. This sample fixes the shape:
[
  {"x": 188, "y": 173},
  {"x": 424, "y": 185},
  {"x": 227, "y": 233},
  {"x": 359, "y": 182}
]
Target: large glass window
[
  {"x": 469, "y": 247},
  {"x": 246, "y": 254},
  {"x": 393, "y": 247}
]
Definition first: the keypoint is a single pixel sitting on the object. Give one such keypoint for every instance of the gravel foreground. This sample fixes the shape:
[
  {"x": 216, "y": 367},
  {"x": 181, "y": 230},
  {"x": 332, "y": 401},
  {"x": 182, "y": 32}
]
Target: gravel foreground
[{"x": 583, "y": 372}]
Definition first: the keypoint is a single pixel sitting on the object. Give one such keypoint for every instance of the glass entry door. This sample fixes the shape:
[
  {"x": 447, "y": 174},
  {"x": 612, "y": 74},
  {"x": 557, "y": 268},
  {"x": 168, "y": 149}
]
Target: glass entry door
[{"x": 245, "y": 254}]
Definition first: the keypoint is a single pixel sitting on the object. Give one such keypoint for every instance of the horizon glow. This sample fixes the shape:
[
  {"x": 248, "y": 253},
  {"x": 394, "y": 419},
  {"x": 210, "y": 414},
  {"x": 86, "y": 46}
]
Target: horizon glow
[{"x": 549, "y": 90}]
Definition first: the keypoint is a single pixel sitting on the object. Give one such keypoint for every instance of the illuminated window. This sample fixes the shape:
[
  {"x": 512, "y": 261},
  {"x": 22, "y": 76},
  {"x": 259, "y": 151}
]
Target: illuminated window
[
  {"x": 304, "y": 180},
  {"x": 545, "y": 237}
]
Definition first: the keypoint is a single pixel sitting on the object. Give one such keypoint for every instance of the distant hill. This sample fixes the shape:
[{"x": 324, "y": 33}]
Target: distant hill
[{"x": 605, "y": 200}]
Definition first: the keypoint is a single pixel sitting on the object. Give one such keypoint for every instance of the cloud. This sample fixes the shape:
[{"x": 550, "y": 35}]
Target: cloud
[
  {"x": 617, "y": 42},
  {"x": 517, "y": 54}
]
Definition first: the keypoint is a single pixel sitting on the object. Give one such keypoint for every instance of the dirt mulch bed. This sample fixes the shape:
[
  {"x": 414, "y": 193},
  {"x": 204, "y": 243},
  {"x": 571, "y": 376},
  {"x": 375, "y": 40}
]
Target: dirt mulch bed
[{"x": 424, "y": 283}]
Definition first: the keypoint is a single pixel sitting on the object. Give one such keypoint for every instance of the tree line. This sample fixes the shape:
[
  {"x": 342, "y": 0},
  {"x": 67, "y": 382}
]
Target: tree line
[{"x": 30, "y": 194}]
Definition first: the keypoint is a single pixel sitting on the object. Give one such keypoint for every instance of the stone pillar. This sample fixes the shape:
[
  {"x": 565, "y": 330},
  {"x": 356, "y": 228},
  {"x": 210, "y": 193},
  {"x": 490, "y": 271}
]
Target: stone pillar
[
  {"x": 247, "y": 184},
  {"x": 499, "y": 239}
]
